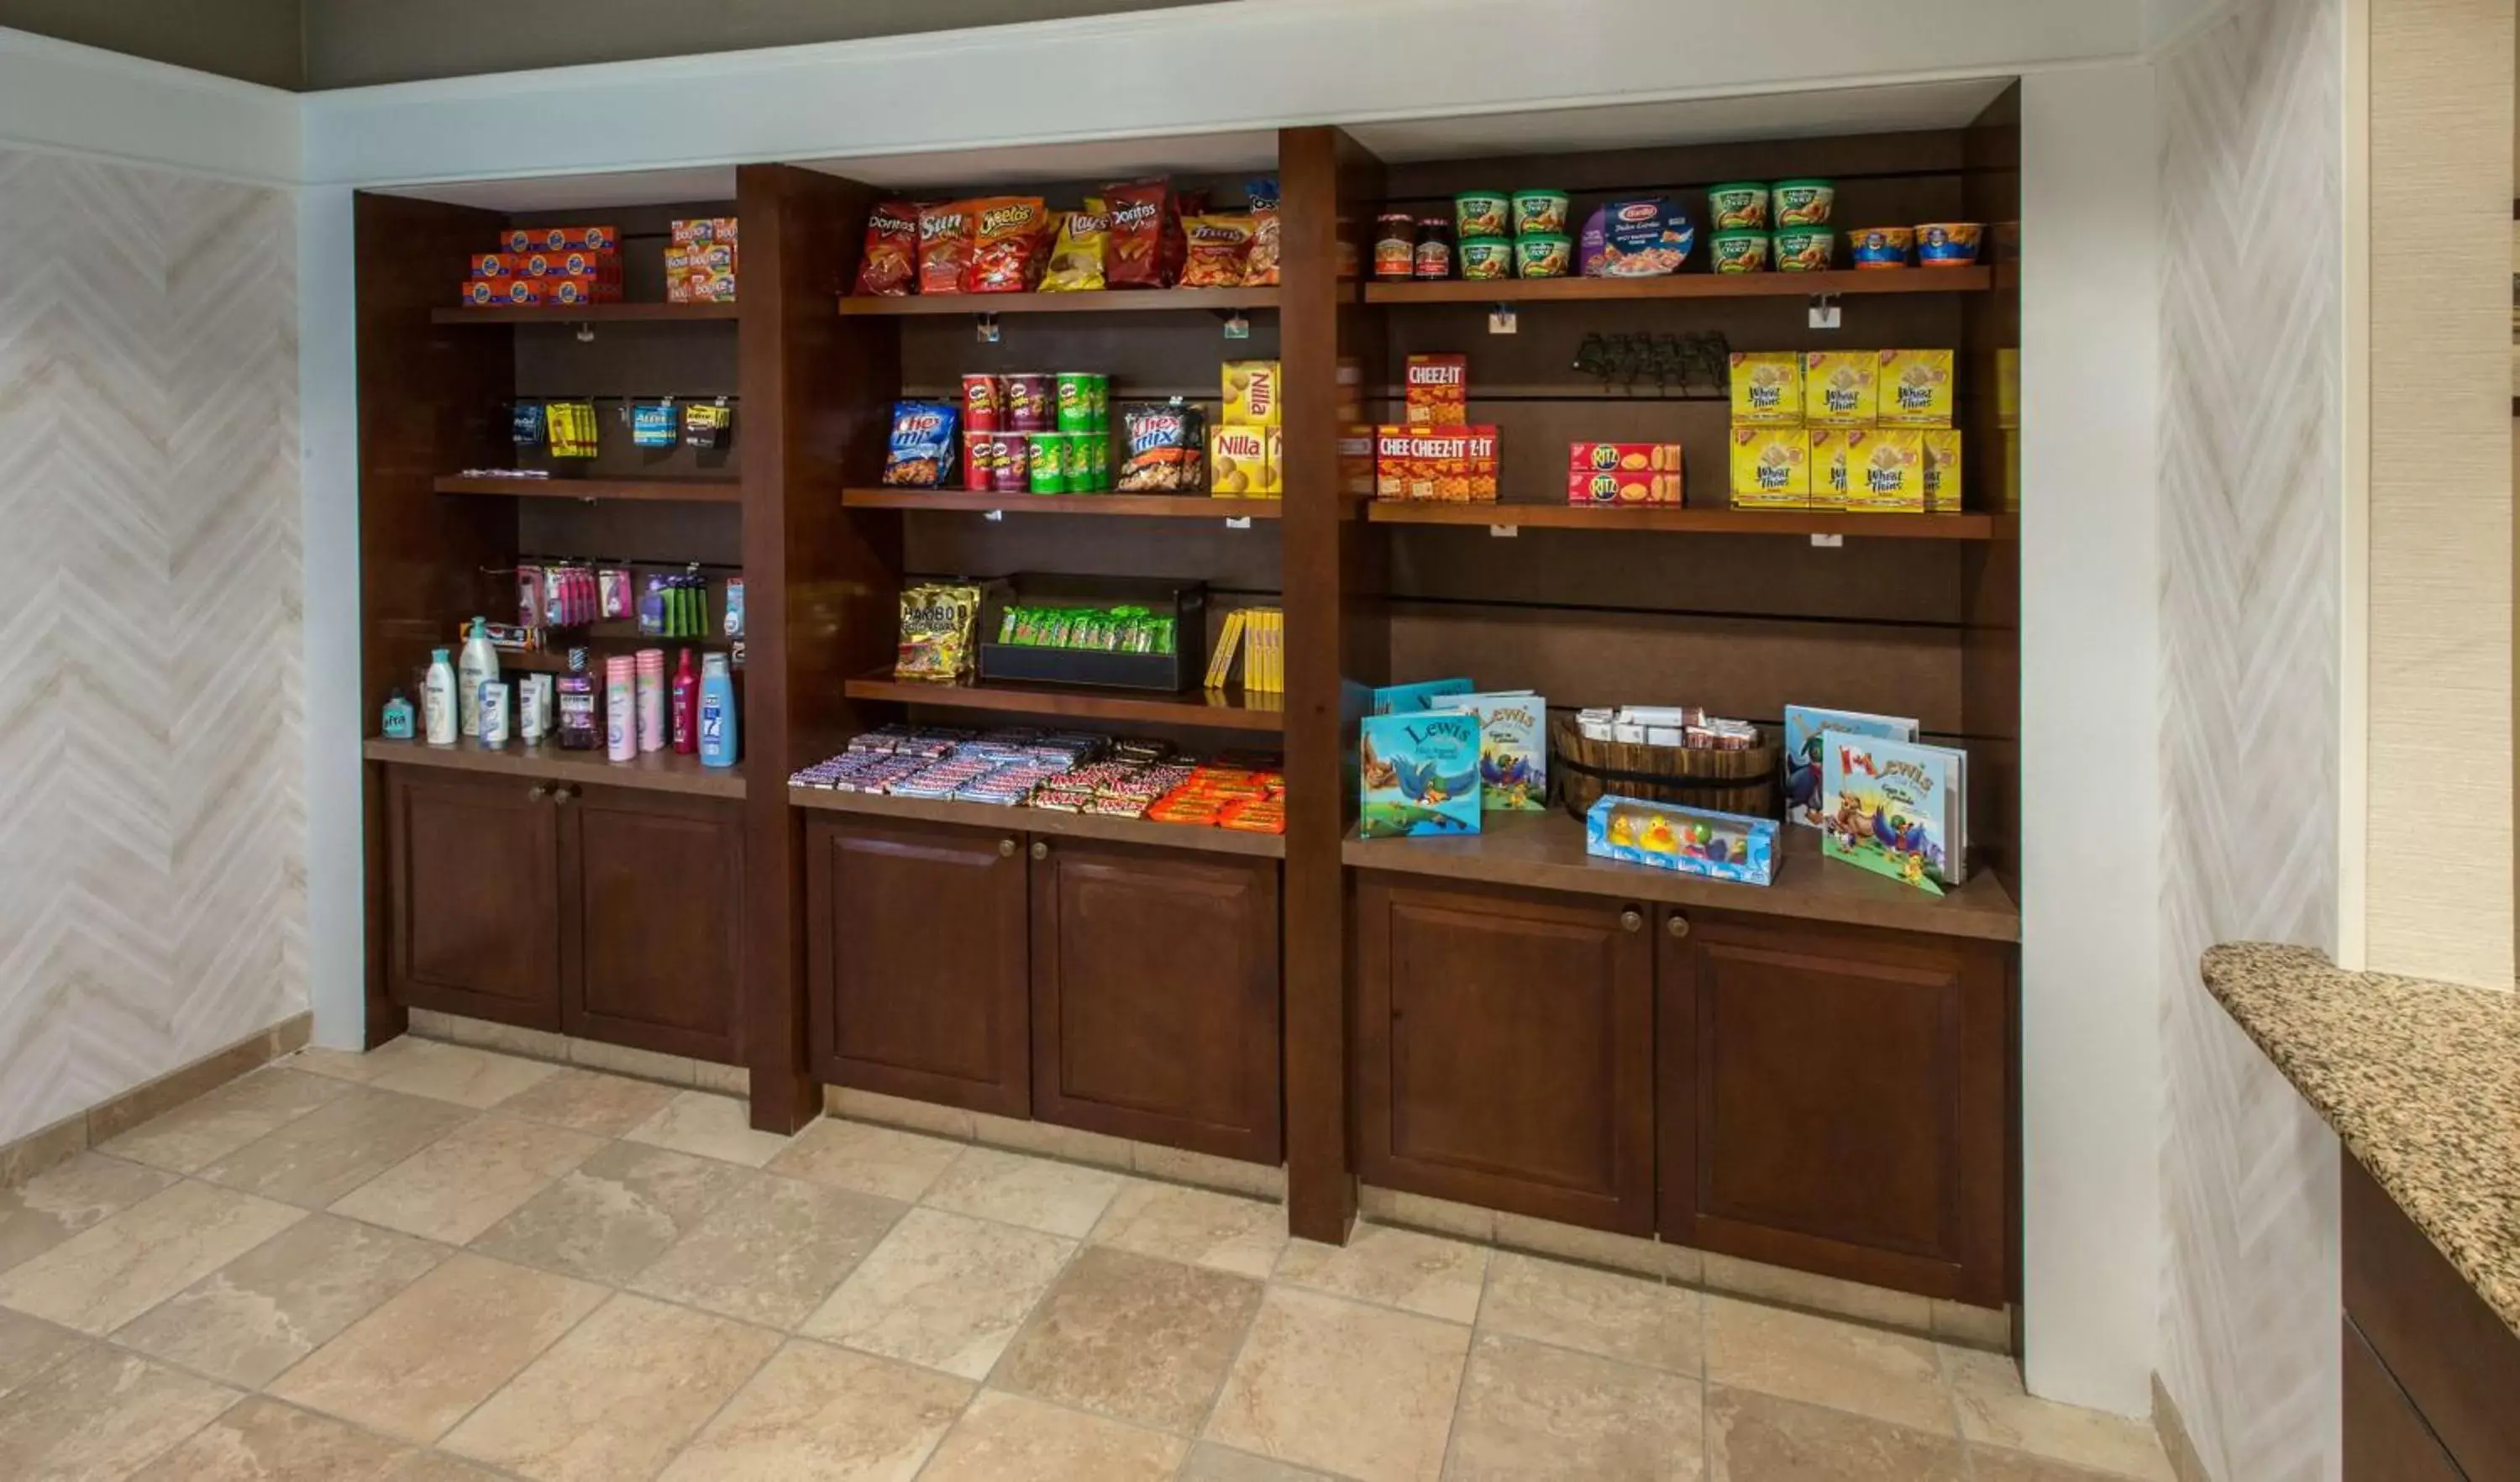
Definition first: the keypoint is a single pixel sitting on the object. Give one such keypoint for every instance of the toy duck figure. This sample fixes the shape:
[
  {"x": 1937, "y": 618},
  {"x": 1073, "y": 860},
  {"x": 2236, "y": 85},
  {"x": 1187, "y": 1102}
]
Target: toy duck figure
[
  {"x": 1623, "y": 830},
  {"x": 1913, "y": 871},
  {"x": 1658, "y": 837}
]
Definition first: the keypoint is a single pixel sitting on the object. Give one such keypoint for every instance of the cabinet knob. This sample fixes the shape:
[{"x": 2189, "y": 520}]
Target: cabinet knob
[
  {"x": 538, "y": 791},
  {"x": 1678, "y": 926},
  {"x": 563, "y": 794},
  {"x": 1005, "y": 848},
  {"x": 1632, "y": 919},
  {"x": 1040, "y": 849}
]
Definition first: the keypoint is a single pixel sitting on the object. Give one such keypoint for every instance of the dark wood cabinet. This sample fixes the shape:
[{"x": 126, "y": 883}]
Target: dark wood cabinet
[
  {"x": 1835, "y": 1099},
  {"x": 473, "y": 896},
  {"x": 1155, "y": 996},
  {"x": 2386, "y": 1437},
  {"x": 652, "y": 922},
  {"x": 1504, "y": 1051},
  {"x": 603, "y": 913},
  {"x": 917, "y": 955}
]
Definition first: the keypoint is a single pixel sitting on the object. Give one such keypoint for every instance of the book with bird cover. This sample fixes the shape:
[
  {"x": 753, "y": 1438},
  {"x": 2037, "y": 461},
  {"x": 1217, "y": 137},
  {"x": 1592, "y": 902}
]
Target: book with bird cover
[
  {"x": 1513, "y": 748},
  {"x": 1805, "y": 726},
  {"x": 1418, "y": 773},
  {"x": 1425, "y": 695},
  {"x": 1896, "y": 808}
]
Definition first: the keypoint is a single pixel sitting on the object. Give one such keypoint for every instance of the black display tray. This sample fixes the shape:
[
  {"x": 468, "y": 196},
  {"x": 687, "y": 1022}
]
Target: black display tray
[{"x": 1167, "y": 673}]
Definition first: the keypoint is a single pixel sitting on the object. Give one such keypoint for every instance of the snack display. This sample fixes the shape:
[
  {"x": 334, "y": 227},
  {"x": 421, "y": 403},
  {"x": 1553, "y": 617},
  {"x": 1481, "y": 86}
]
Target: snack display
[
  {"x": 1805, "y": 249},
  {"x": 1218, "y": 250},
  {"x": 1060, "y": 772},
  {"x": 1948, "y": 243},
  {"x": 1454, "y": 465},
  {"x": 1885, "y": 470},
  {"x": 1738, "y": 206},
  {"x": 936, "y": 623},
  {"x": 1914, "y": 388},
  {"x": 1076, "y": 260},
  {"x": 925, "y": 436},
  {"x": 1260, "y": 269},
  {"x": 1437, "y": 391},
  {"x": 1941, "y": 470},
  {"x": 1840, "y": 388},
  {"x": 889, "y": 266},
  {"x": 1166, "y": 444},
  {"x": 1251, "y": 394},
  {"x": 1804, "y": 203},
  {"x": 1623, "y": 473},
  {"x": 1738, "y": 252},
  {"x": 1144, "y": 246},
  {"x": 1238, "y": 463},
  {"x": 1640, "y": 237},
  {"x": 1881, "y": 246},
  {"x": 1829, "y": 454}
]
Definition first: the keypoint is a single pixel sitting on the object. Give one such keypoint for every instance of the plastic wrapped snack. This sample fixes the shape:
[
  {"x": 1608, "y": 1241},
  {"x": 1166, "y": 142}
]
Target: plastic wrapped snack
[
  {"x": 1166, "y": 448},
  {"x": 1260, "y": 269},
  {"x": 890, "y": 267},
  {"x": 1077, "y": 261},
  {"x": 925, "y": 437},
  {"x": 1219, "y": 247},
  {"x": 936, "y": 623}
]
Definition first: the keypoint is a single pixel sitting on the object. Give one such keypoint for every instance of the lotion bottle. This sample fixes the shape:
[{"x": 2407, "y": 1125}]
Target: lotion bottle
[
  {"x": 438, "y": 699},
  {"x": 479, "y": 666},
  {"x": 717, "y": 712}
]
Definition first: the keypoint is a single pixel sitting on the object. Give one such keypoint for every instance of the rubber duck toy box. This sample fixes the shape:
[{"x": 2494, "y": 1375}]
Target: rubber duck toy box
[{"x": 1723, "y": 847}]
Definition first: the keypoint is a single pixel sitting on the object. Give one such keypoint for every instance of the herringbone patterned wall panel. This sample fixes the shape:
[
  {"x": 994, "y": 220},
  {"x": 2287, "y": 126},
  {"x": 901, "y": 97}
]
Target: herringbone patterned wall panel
[
  {"x": 152, "y": 854},
  {"x": 2251, "y": 476}
]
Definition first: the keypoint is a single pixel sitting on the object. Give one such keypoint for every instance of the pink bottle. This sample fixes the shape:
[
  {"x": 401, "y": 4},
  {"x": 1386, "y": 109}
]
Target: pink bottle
[
  {"x": 620, "y": 707},
  {"x": 687, "y": 707},
  {"x": 652, "y": 699}
]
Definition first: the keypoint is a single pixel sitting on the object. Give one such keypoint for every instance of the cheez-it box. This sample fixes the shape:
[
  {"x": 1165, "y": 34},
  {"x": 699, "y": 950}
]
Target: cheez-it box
[
  {"x": 1438, "y": 390},
  {"x": 1452, "y": 464}
]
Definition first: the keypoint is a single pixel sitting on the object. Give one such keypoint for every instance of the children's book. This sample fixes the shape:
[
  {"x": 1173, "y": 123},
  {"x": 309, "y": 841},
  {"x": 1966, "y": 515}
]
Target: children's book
[
  {"x": 1804, "y": 725},
  {"x": 1418, "y": 773},
  {"x": 1513, "y": 749},
  {"x": 1399, "y": 700},
  {"x": 1896, "y": 808}
]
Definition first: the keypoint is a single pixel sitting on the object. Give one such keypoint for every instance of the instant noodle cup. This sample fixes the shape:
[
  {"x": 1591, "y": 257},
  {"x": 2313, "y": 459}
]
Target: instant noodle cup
[
  {"x": 1805, "y": 249},
  {"x": 1540, "y": 213},
  {"x": 1738, "y": 252},
  {"x": 1881, "y": 246},
  {"x": 1486, "y": 259},
  {"x": 1742, "y": 206},
  {"x": 1548, "y": 255},
  {"x": 1804, "y": 203},
  {"x": 1948, "y": 243},
  {"x": 1482, "y": 213}
]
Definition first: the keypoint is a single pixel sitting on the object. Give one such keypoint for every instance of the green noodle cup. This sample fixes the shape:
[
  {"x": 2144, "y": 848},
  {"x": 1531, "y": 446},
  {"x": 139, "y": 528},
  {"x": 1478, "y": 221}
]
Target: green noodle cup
[
  {"x": 1482, "y": 213},
  {"x": 1740, "y": 207},
  {"x": 1738, "y": 252},
  {"x": 1804, "y": 203},
  {"x": 1544, "y": 254},
  {"x": 1485, "y": 259},
  {"x": 1805, "y": 249},
  {"x": 1540, "y": 213}
]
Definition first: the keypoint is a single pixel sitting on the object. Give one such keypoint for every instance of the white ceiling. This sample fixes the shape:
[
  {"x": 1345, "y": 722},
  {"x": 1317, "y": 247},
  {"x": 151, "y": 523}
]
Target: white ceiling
[{"x": 582, "y": 193}]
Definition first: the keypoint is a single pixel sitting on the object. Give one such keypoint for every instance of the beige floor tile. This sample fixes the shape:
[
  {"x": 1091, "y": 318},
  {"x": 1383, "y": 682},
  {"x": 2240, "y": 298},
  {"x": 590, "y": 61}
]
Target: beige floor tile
[
  {"x": 1635, "y": 1254},
  {"x": 1258, "y": 1181},
  {"x": 772, "y": 1250},
  {"x": 1211, "y": 1463},
  {"x": 279, "y": 1302},
  {"x": 53, "y": 1206},
  {"x": 1820, "y": 1361},
  {"x": 712, "y": 1126},
  {"x": 1994, "y": 1410},
  {"x": 1988, "y": 1464},
  {"x": 826, "y": 1415},
  {"x": 1829, "y": 1294},
  {"x": 30, "y": 1345},
  {"x": 336, "y": 1148},
  {"x": 469, "y": 1180},
  {"x": 417, "y": 1365},
  {"x": 1199, "y": 1226},
  {"x": 617, "y": 1397},
  {"x": 870, "y": 1159},
  {"x": 352, "y": 1065},
  {"x": 1016, "y": 1189},
  {"x": 1530, "y": 1412},
  {"x": 588, "y": 1101},
  {"x": 610, "y": 1217},
  {"x": 102, "y": 1415},
  {"x": 1132, "y": 1337},
  {"x": 1391, "y": 1206},
  {"x": 1395, "y": 1268},
  {"x": 458, "y": 1073},
  {"x": 103, "y": 1277},
  {"x": 943, "y": 1291},
  {"x": 1600, "y": 1312},
  {"x": 215, "y": 1125},
  {"x": 1760, "y": 1438},
  {"x": 264, "y": 1441},
  {"x": 1008, "y": 1438},
  {"x": 438, "y": 1466},
  {"x": 1358, "y": 1390}
]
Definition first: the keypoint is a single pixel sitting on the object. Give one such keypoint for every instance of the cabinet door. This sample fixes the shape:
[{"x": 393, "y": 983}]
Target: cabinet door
[
  {"x": 2386, "y": 1438},
  {"x": 473, "y": 896},
  {"x": 915, "y": 962},
  {"x": 652, "y": 891},
  {"x": 1155, "y": 996},
  {"x": 1836, "y": 1101},
  {"x": 1503, "y": 1051}
]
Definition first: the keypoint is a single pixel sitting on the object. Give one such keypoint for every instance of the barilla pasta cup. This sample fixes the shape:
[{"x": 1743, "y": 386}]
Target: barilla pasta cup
[
  {"x": 1881, "y": 246},
  {"x": 1804, "y": 203},
  {"x": 1948, "y": 243},
  {"x": 1738, "y": 252},
  {"x": 1482, "y": 213},
  {"x": 1805, "y": 249},
  {"x": 1742, "y": 206},
  {"x": 1540, "y": 213}
]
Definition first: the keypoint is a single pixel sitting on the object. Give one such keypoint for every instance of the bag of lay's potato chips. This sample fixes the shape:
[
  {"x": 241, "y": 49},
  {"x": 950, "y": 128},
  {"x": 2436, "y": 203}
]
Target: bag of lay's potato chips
[{"x": 1077, "y": 261}]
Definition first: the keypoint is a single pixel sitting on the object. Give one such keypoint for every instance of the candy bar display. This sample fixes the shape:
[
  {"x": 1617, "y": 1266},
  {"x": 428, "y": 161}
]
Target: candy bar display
[
  {"x": 1131, "y": 633},
  {"x": 1037, "y": 431},
  {"x": 1135, "y": 234},
  {"x": 1119, "y": 629},
  {"x": 1060, "y": 772}
]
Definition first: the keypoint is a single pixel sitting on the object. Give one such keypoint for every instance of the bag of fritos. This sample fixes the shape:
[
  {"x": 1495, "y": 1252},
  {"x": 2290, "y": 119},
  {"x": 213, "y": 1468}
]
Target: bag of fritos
[{"x": 1219, "y": 248}]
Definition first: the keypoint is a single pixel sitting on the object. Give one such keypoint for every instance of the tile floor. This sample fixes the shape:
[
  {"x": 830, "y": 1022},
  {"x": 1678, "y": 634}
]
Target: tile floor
[{"x": 435, "y": 1263}]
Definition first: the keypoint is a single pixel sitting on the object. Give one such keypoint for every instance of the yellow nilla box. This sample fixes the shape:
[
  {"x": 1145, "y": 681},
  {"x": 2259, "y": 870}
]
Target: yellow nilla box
[
  {"x": 1914, "y": 388},
  {"x": 1771, "y": 469},
  {"x": 1838, "y": 387},
  {"x": 1251, "y": 394},
  {"x": 1885, "y": 470},
  {"x": 1767, "y": 388},
  {"x": 1238, "y": 461},
  {"x": 1943, "y": 472}
]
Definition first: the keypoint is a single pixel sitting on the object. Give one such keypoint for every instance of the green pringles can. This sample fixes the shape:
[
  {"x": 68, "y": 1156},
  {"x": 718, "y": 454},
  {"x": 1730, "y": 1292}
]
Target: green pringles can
[
  {"x": 1075, "y": 393},
  {"x": 1103, "y": 404},
  {"x": 1049, "y": 462},
  {"x": 1083, "y": 462}
]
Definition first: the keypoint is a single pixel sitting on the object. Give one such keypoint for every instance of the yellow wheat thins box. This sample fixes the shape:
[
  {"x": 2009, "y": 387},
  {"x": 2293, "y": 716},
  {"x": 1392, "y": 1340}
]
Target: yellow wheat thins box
[
  {"x": 1767, "y": 388},
  {"x": 1771, "y": 469},
  {"x": 1885, "y": 470},
  {"x": 1943, "y": 472},
  {"x": 1829, "y": 466},
  {"x": 1916, "y": 388},
  {"x": 1838, "y": 387}
]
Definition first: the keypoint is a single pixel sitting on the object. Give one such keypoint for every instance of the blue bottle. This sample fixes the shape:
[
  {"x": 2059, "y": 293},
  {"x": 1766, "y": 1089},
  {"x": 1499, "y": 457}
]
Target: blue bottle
[
  {"x": 398, "y": 718},
  {"x": 717, "y": 712}
]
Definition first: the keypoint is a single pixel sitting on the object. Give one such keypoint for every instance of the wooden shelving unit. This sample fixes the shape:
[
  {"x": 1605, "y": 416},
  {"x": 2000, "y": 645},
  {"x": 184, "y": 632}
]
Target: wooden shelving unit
[
  {"x": 1108, "y": 301},
  {"x": 687, "y": 491},
  {"x": 588, "y": 313},
  {"x": 1679, "y": 519},
  {"x": 1044, "y": 821},
  {"x": 1211, "y": 709},
  {"x": 1139, "y": 505},
  {"x": 1688, "y": 285},
  {"x": 651, "y": 772}
]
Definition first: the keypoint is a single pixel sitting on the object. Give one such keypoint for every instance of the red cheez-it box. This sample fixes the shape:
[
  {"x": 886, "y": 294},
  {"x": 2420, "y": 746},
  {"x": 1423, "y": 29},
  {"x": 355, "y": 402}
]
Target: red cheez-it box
[
  {"x": 1438, "y": 390},
  {"x": 1454, "y": 465}
]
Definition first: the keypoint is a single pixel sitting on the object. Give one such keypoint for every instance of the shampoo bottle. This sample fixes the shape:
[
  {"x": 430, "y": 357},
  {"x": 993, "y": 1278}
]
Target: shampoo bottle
[
  {"x": 685, "y": 707},
  {"x": 717, "y": 713},
  {"x": 437, "y": 699},
  {"x": 479, "y": 666},
  {"x": 578, "y": 731},
  {"x": 398, "y": 724}
]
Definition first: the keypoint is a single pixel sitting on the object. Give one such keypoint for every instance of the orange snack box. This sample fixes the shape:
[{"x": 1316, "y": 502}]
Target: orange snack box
[
  {"x": 1438, "y": 390},
  {"x": 579, "y": 287},
  {"x": 498, "y": 264},
  {"x": 554, "y": 239},
  {"x": 1446, "y": 465},
  {"x": 503, "y": 292}
]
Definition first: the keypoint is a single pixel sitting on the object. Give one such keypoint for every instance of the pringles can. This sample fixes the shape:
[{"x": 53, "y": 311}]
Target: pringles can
[
  {"x": 984, "y": 404},
  {"x": 1049, "y": 462},
  {"x": 1075, "y": 391},
  {"x": 1010, "y": 462},
  {"x": 1030, "y": 406}
]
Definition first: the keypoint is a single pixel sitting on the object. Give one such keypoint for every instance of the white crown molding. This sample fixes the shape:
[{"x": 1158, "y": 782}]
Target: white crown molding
[{"x": 78, "y": 100}]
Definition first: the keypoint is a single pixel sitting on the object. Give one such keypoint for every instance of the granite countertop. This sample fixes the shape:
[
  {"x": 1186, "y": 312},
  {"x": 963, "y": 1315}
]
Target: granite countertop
[{"x": 2420, "y": 1079}]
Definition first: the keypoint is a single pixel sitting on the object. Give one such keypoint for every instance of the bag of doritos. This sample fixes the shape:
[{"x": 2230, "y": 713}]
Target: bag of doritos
[{"x": 890, "y": 267}]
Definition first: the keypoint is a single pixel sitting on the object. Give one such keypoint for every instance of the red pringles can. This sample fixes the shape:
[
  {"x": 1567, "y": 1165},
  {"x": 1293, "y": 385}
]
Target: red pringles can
[
  {"x": 979, "y": 460},
  {"x": 984, "y": 403},
  {"x": 1010, "y": 462},
  {"x": 1031, "y": 405}
]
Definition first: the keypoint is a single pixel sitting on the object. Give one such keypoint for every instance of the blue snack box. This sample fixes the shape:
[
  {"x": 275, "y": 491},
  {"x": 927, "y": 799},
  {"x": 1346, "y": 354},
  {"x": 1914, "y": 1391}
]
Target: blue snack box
[{"x": 1723, "y": 847}]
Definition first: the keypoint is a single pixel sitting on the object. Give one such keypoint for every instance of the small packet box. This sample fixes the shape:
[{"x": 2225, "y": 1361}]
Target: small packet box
[
  {"x": 555, "y": 238},
  {"x": 1771, "y": 469},
  {"x": 503, "y": 292},
  {"x": 1828, "y": 448},
  {"x": 1251, "y": 394},
  {"x": 703, "y": 229},
  {"x": 1839, "y": 387},
  {"x": 1723, "y": 847},
  {"x": 1446, "y": 465},
  {"x": 1623, "y": 472},
  {"x": 1767, "y": 388},
  {"x": 1277, "y": 460}
]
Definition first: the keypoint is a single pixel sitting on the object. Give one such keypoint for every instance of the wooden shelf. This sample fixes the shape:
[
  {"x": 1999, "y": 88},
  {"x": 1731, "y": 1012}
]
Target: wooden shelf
[
  {"x": 586, "y": 313},
  {"x": 1847, "y": 281},
  {"x": 1125, "y": 830},
  {"x": 689, "y": 491},
  {"x": 1149, "y": 506},
  {"x": 1104, "y": 301},
  {"x": 1545, "y": 851},
  {"x": 652, "y": 772},
  {"x": 1678, "y": 520},
  {"x": 1218, "y": 711}
]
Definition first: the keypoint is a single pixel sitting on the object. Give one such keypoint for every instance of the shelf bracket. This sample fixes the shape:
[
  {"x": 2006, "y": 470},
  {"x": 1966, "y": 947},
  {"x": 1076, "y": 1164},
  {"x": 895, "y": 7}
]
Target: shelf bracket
[
  {"x": 1824, "y": 311},
  {"x": 1503, "y": 532},
  {"x": 585, "y": 331},
  {"x": 1238, "y": 522},
  {"x": 1501, "y": 320},
  {"x": 986, "y": 328},
  {"x": 1237, "y": 324},
  {"x": 1827, "y": 542},
  {"x": 995, "y": 517}
]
